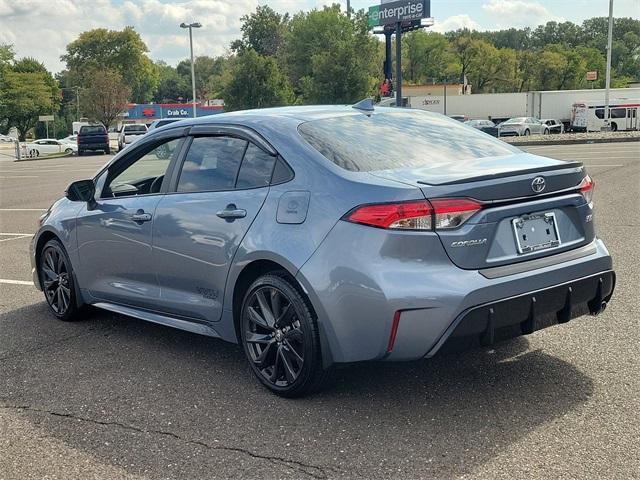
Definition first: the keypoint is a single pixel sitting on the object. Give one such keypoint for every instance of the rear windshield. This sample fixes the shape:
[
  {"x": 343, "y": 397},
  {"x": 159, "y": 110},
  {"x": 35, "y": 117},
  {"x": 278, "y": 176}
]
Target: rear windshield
[
  {"x": 407, "y": 139},
  {"x": 516, "y": 120},
  {"x": 135, "y": 128},
  {"x": 89, "y": 129}
]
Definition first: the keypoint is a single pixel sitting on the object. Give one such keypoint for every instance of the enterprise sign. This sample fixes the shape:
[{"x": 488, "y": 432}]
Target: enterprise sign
[{"x": 400, "y": 11}]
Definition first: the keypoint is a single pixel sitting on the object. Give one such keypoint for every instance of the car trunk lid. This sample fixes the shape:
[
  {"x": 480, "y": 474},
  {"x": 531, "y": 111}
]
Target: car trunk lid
[{"x": 519, "y": 220}]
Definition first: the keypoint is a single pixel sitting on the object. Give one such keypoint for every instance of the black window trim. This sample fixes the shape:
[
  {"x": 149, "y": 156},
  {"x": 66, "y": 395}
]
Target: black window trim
[
  {"x": 233, "y": 131},
  {"x": 141, "y": 148}
]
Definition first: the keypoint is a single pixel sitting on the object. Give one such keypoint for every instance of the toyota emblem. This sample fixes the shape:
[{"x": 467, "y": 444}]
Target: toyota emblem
[{"x": 538, "y": 184}]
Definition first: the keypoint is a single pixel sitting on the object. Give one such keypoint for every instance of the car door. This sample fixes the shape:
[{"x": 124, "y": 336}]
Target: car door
[
  {"x": 114, "y": 233},
  {"x": 218, "y": 191}
]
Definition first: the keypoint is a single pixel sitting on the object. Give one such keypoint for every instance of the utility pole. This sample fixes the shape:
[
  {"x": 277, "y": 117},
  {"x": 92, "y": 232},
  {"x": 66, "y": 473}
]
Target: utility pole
[
  {"x": 399, "y": 64},
  {"x": 349, "y": 8},
  {"x": 607, "y": 121},
  {"x": 77, "y": 104},
  {"x": 191, "y": 26}
]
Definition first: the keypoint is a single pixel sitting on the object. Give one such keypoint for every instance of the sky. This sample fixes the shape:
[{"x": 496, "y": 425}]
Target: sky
[{"x": 43, "y": 28}]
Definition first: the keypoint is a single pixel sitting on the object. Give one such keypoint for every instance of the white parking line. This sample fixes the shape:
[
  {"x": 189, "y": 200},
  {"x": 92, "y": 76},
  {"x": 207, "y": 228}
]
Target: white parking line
[
  {"x": 7, "y": 234},
  {"x": 16, "y": 282},
  {"x": 15, "y": 238}
]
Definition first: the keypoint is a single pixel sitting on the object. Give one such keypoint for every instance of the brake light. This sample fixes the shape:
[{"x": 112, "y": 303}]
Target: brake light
[
  {"x": 586, "y": 188},
  {"x": 453, "y": 212},
  {"x": 414, "y": 215},
  {"x": 438, "y": 214}
]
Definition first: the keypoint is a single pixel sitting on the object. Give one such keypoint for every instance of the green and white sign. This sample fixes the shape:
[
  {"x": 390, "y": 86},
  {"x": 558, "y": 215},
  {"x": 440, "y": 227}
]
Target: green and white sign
[{"x": 400, "y": 11}]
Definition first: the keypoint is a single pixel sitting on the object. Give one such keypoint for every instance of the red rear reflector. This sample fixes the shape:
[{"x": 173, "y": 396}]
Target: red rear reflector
[
  {"x": 394, "y": 331},
  {"x": 414, "y": 215}
]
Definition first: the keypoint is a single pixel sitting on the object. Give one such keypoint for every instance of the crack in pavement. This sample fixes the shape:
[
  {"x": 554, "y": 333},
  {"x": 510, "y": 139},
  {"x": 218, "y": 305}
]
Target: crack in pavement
[{"x": 313, "y": 471}]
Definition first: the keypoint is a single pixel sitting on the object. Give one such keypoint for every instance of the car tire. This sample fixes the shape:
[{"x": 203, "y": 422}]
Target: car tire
[
  {"x": 80, "y": 153},
  {"x": 279, "y": 334},
  {"x": 58, "y": 283},
  {"x": 108, "y": 151},
  {"x": 527, "y": 132},
  {"x": 68, "y": 151},
  {"x": 614, "y": 127}
]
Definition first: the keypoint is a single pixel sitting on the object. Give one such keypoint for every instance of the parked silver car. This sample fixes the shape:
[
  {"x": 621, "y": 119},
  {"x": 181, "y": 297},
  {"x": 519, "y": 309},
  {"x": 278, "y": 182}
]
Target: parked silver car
[
  {"x": 521, "y": 126},
  {"x": 322, "y": 235},
  {"x": 551, "y": 125}
]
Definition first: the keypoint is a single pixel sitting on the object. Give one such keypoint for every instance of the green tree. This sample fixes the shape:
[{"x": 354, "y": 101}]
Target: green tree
[
  {"x": 23, "y": 97},
  {"x": 172, "y": 87},
  {"x": 256, "y": 82},
  {"x": 6, "y": 54},
  {"x": 205, "y": 68},
  {"x": 331, "y": 58},
  {"x": 122, "y": 51},
  {"x": 427, "y": 56},
  {"x": 105, "y": 96},
  {"x": 263, "y": 31}
]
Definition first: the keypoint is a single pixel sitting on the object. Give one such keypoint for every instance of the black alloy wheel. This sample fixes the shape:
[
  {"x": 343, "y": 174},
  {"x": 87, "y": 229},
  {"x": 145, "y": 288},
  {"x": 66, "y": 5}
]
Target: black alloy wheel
[
  {"x": 56, "y": 278},
  {"x": 280, "y": 337}
]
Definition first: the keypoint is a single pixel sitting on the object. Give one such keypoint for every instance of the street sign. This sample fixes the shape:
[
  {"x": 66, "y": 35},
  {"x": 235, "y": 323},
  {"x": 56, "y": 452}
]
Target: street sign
[
  {"x": 592, "y": 76},
  {"x": 45, "y": 118},
  {"x": 400, "y": 11}
]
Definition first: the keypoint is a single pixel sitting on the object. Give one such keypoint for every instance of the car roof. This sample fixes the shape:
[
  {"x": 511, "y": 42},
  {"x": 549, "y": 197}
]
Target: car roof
[{"x": 297, "y": 114}]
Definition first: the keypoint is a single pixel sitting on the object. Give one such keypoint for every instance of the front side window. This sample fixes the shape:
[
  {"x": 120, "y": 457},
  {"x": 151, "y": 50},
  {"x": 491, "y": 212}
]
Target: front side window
[
  {"x": 211, "y": 164},
  {"x": 143, "y": 174}
]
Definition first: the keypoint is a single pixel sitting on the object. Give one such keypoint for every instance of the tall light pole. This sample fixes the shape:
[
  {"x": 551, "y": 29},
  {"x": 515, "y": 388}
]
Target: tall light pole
[
  {"x": 607, "y": 121},
  {"x": 191, "y": 26}
]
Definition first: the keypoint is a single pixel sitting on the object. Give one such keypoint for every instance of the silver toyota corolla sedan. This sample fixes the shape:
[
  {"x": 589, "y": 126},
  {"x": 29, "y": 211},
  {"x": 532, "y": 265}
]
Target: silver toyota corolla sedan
[
  {"x": 521, "y": 126},
  {"x": 321, "y": 235}
]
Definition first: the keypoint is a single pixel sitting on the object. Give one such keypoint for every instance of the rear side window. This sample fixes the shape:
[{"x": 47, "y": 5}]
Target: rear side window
[
  {"x": 256, "y": 169},
  {"x": 211, "y": 164},
  {"x": 88, "y": 130},
  {"x": 618, "y": 113},
  {"x": 404, "y": 139}
]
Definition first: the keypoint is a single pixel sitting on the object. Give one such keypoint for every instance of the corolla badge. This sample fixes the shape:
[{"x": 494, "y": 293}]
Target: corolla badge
[
  {"x": 470, "y": 243},
  {"x": 538, "y": 184}
]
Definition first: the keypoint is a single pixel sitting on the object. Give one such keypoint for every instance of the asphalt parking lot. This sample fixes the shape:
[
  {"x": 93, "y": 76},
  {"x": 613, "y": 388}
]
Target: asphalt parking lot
[{"x": 113, "y": 397}]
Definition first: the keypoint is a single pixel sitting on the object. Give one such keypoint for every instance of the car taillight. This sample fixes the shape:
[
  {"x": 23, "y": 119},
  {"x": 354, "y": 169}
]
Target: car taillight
[
  {"x": 414, "y": 215},
  {"x": 586, "y": 188},
  {"x": 437, "y": 214},
  {"x": 453, "y": 212}
]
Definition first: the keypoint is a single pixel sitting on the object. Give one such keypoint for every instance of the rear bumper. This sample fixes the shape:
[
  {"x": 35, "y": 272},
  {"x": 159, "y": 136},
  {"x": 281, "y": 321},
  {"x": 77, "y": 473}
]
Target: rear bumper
[
  {"x": 93, "y": 146},
  {"x": 532, "y": 311},
  {"x": 360, "y": 278}
]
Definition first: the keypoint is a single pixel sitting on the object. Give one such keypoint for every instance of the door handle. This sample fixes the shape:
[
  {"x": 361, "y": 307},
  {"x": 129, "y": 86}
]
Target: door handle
[
  {"x": 231, "y": 212},
  {"x": 141, "y": 217}
]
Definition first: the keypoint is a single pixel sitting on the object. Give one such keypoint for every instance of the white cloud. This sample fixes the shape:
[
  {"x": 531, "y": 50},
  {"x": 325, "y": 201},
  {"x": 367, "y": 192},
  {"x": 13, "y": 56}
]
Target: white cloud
[
  {"x": 518, "y": 13},
  {"x": 43, "y": 28},
  {"x": 455, "y": 22}
]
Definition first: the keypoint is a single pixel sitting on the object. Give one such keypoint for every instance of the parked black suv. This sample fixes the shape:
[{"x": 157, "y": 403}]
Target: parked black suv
[{"x": 93, "y": 138}]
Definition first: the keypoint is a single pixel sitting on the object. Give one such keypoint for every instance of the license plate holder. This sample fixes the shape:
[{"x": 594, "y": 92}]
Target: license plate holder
[{"x": 536, "y": 232}]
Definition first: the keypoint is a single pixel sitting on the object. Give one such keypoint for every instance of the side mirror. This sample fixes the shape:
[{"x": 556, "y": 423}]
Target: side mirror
[{"x": 81, "y": 191}]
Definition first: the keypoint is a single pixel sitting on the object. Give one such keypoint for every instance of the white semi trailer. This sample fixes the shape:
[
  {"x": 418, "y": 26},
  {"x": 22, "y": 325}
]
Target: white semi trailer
[{"x": 557, "y": 104}]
